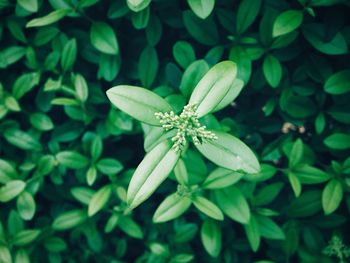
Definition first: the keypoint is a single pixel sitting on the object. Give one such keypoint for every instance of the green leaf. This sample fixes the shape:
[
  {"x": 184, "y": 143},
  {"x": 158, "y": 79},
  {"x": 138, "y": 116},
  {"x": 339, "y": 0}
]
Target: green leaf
[
  {"x": 338, "y": 141},
  {"x": 269, "y": 229},
  {"x": 332, "y": 196},
  {"x": 296, "y": 153},
  {"x": 103, "y": 38},
  {"x": 7, "y": 171},
  {"x": 338, "y": 83},
  {"x": 151, "y": 172},
  {"x": 109, "y": 166},
  {"x": 22, "y": 256},
  {"x": 268, "y": 193},
  {"x": 307, "y": 204},
  {"x": 5, "y": 255},
  {"x": 26, "y": 205},
  {"x": 192, "y": 75},
  {"x": 207, "y": 207},
  {"x": 69, "y": 219},
  {"x": 22, "y": 140},
  {"x": 29, "y": 5},
  {"x": 272, "y": 70},
  {"x": 211, "y": 237},
  {"x": 295, "y": 183},
  {"x": 310, "y": 175},
  {"x": 230, "y": 153},
  {"x": 41, "y": 121},
  {"x": 24, "y": 84},
  {"x": 213, "y": 87},
  {"x": 315, "y": 34},
  {"x": 233, "y": 203},
  {"x": 181, "y": 173},
  {"x": 138, "y": 5},
  {"x": 11, "y": 190},
  {"x": 204, "y": 31},
  {"x": 253, "y": 234},
  {"x": 69, "y": 54},
  {"x": 246, "y": 14},
  {"x": 25, "y": 237},
  {"x": 130, "y": 227},
  {"x": 172, "y": 207},
  {"x": 139, "y": 103},
  {"x": 184, "y": 54},
  {"x": 148, "y": 66},
  {"x": 72, "y": 159},
  {"x": 202, "y": 8},
  {"x": 82, "y": 194},
  {"x": 99, "y": 200},
  {"x": 81, "y": 88},
  {"x": 287, "y": 22},
  {"x": 49, "y": 19},
  {"x": 235, "y": 89},
  {"x": 221, "y": 178},
  {"x": 11, "y": 55},
  {"x": 140, "y": 19}
]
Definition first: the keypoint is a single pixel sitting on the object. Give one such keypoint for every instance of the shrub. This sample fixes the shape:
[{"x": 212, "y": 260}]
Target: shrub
[{"x": 171, "y": 165}]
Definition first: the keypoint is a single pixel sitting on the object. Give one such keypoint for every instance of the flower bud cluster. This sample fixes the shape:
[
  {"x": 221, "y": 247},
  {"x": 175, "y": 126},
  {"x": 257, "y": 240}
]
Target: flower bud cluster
[{"x": 187, "y": 125}]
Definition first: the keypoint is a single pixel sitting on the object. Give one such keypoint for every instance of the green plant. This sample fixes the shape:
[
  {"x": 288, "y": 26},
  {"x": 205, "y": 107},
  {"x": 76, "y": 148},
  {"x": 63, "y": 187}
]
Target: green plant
[
  {"x": 68, "y": 156},
  {"x": 213, "y": 92},
  {"x": 337, "y": 248}
]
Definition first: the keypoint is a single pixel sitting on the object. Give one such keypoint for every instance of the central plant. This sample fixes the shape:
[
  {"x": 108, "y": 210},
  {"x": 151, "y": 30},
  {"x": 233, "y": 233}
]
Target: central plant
[{"x": 218, "y": 88}]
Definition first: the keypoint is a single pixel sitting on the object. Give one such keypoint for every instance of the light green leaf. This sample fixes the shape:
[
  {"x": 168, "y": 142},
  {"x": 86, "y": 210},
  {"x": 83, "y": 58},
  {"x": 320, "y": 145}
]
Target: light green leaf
[
  {"x": 49, "y": 19},
  {"x": 22, "y": 256},
  {"x": 235, "y": 89},
  {"x": 253, "y": 234},
  {"x": 233, "y": 203},
  {"x": 246, "y": 14},
  {"x": 103, "y": 38},
  {"x": 69, "y": 219},
  {"x": 272, "y": 70},
  {"x": 295, "y": 183},
  {"x": 296, "y": 153},
  {"x": 221, "y": 178},
  {"x": 338, "y": 83},
  {"x": 211, "y": 237},
  {"x": 69, "y": 54},
  {"x": 99, "y": 200},
  {"x": 22, "y": 140},
  {"x": 207, "y": 207},
  {"x": 338, "y": 141},
  {"x": 332, "y": 196},
  {"x": 11, "y": 189},
  {"x": 139, "y": 103},
  {"x": 172, "y": 207},
  {"x": 25, "y": 237},
  {"x": 213, "y": 87},
  {"x": 268, "y": 228},
  {"x": 151, "y": 172},
  {"x": 310, "y": 175},
  {"x": 11, "y": 55},
  {"x": 202, "y": 8},
  {"x": 41, "y": 121},
  {"x": 181, "y": 173},
  {"x": 109, "y": 166},
  {"x": 81, "y": 88},
  {"x": 26, "y": 205},
  {"x": 29, "y": 5},
  {"x": 72, "y": 159},
  {"x": 138, "y": 5},
  {"x": 5, "y": 255},
  {"x": 286, "y": 22},
  {"x": 231, "y": 153},
  {"x": 130, "y": 227}
]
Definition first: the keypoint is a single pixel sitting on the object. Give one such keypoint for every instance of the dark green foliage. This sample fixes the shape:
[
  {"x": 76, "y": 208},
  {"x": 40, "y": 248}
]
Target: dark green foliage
[{"x": 67, "y": 155}]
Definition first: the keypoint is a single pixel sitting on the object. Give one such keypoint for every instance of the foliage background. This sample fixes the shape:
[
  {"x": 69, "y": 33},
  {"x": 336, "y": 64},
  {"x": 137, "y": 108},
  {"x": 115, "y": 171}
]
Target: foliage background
[{"x": 61, "y": 141}]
